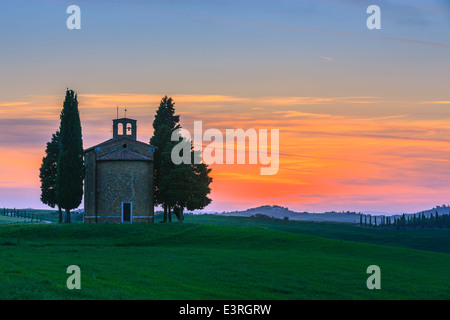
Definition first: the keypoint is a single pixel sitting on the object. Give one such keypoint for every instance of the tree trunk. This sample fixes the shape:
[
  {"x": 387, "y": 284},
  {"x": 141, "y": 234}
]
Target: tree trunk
[
  {"x": 165, "y": 213},
  {"x": 170, "y": 214},
  {"x": 67, "y": 216},
  {"x": 178, "y": 212},
  {"x": 60, "y": 215},
  {"x": 181, "y": 214}
]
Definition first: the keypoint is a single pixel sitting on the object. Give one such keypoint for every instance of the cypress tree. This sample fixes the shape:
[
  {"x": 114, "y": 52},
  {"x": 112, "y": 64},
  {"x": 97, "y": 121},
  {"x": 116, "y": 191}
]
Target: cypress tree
[
  {"x": 47, "y": 173},
  {"x": 183, "y": 185},
  {"x": 177, "y": 186},
  {"x": 169, "y": 182},
  {"x": 199, "y": 187},
  {"x": 70, "y": 166},
  {"x": 164, "y": 124}
]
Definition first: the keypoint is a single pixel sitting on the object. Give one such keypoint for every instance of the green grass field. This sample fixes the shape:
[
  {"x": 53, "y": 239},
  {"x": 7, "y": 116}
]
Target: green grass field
[
  {"x": 43, "y": 214},
  {"x": 204, "y": 258},
  {"x": 8, "y": 220},
  {"x": 424, "y": 239}
]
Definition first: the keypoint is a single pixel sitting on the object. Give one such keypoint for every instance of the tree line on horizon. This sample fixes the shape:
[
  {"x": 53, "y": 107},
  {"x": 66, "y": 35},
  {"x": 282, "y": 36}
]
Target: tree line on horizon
[
  {"x": 28, "y": 215},
  {"x": 420, "y": 220},
  {"x": 176, "y": 187}
]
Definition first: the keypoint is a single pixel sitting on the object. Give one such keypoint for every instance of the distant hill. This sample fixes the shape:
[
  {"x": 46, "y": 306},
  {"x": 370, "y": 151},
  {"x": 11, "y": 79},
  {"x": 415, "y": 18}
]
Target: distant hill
[
  {"x": 444, "y": 209},
  {"x": 280, "y": 212}
]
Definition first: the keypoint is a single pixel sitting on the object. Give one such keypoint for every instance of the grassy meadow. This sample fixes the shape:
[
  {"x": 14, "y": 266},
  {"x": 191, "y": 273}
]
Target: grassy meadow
[
  {"x": 8, "y": 220},
  {"x": 214, "y": 257},
  {"x": 41, "y": 214}
]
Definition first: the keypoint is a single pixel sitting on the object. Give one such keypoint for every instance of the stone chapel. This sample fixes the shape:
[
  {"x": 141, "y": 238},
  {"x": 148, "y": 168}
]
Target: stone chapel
[{"x": 118, "y": 184}]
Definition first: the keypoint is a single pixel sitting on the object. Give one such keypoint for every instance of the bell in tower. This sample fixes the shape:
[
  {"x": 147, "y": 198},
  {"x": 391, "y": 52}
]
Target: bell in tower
[{"x": 124, "y": 127}]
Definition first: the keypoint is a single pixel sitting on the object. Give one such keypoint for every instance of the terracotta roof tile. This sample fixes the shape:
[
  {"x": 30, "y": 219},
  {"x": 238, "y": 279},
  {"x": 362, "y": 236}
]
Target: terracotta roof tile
[{"x": 124, "y": 154}]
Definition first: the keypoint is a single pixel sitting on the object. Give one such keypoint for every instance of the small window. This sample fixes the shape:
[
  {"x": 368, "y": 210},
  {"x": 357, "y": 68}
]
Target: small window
[{"x": 119, "y": 129}]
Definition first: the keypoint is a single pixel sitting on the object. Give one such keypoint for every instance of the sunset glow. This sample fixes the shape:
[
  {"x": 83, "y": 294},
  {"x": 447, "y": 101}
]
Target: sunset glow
[
  {"x": 363, "y": 116},
  {"x": 327, "y": 161}
]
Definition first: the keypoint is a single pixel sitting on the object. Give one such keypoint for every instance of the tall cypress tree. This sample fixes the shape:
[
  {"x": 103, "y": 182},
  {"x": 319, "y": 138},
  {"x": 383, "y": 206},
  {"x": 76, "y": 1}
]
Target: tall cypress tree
[
  {"x": 70, "y": 168},
  {"x": 48, "y": 172},
  {"x": 164, "y": 124},
  {"x": 177, "y": 186}
]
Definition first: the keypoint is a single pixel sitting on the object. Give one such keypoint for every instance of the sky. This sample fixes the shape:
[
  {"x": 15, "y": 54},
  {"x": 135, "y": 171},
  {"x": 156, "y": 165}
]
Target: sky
[{"x": 363, "y": 115}]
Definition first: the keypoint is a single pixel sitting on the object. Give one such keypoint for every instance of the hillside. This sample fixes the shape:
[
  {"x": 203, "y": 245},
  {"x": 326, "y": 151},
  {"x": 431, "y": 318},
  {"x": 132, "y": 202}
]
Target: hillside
[
  {"x": 444, "y": 209},
  {"x": 282, "y": 212},
  {"x": 423, "y": 239},
  {"x": 194, "y": 261}
]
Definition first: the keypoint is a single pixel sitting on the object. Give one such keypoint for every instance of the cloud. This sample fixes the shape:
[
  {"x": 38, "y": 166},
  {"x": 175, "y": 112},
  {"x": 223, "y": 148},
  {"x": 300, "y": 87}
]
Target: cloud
[
  {"x": 26, "y": 132},
  {"x": 13, "y": 104},
  {"x": 327, "y": 59},
  {"x": 436, "y": 102},
  {"x": 286, "y": 101},
  {"x": 333, "y": 154},
  {"x": 294, "y": 28},
  {"x": 292, "y": 113}
]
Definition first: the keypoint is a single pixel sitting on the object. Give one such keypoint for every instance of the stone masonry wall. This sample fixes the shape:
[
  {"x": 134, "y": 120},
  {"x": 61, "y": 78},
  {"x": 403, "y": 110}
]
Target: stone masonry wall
[{"x": 124, "y": 181}]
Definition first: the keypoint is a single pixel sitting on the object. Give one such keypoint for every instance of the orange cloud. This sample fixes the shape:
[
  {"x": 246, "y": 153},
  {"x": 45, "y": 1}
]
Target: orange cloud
[
  {"x": 330, "y": 156},
  {"x": 436, "y": 102}
]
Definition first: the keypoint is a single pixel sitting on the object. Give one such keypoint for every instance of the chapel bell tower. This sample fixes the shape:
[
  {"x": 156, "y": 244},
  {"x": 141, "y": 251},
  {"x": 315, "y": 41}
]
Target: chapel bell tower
[{"x": 124, "y": 127}]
